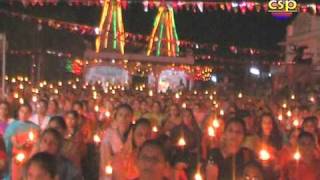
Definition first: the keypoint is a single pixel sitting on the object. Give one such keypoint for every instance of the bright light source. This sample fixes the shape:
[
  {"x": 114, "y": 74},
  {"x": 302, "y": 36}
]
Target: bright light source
[
  {"x": 269, "y": 74},
  {"x": 97, "y": 31},
  {"x": 214, "y": 78},
  {"x": 255, "y": 71}
]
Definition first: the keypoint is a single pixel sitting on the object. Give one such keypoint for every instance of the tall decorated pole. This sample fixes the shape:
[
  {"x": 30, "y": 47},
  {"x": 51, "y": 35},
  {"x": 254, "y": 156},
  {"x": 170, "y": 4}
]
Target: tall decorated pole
[
  {"x": 111, "y": 29},
  {"x": 164, "y": 39}
]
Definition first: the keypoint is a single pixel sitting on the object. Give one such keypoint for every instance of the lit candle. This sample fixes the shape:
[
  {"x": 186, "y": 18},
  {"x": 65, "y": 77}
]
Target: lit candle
[
  {"x": 31, "y": 136},
  {"x": 297, "y": 155},
  {"x": 96, "y": 139},
  {"x": 289, "y": 113},
  {"x": 182, "y": 142},
  {"x": 295, "y": 123},
  {"x": 154, "y": 129},
  {"x": 177, "y": 96},
  {"x": 264, "y": 155},
  {"x": 221, "y": 112},
  {"x": 108, "y": 169},
  {"x": 77, "y": 80},
  {"x": 96, "y": 108},
  {"x": 284, "y": 105},
  {"x": 74, "y": 86},
  {"x": 206, "y": 92},
  {"x": 113, "y": 92},
  {"x": 21, "y": 101},
  {"x": 184, "y": 105},
  {"x": 16, "y": 95},
  {"x": 240, "y": 95},
  {"x": 150, "y": 93},
  {"x": 20, "y": 157},
  {"x": 312, "y": 99},
  {"x": 21, "y": 86},
  {"x": 56, "y": 91},
  {"x": 293, "y": 96},
  {"x": 214, "y": 92},
  {"x": 13, "y": 80},
  {"x": 51, "y": 86},
  {"x": 107, "y": 114},
  {"x": 280, "y": 117},
  {"x": 34, "y": 98},
  {"x": 211, "y": 97},
  {"x": 216, "y": 123},
  {"x": 211, "y": 131},
  {"x": 59, "y": 83},
  {"x": 134, "y": 122},
  {"x": 195, "y": 92},
  {"x": 198, "y": 176}
]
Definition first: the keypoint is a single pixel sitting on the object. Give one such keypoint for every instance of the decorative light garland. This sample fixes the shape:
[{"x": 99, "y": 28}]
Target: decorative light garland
[
  {"x": 91, "y": 30},
  {"x": 164, "y": 24},
  {"x": 195, "y": 6},
  {"x": 111, "y": 14}
]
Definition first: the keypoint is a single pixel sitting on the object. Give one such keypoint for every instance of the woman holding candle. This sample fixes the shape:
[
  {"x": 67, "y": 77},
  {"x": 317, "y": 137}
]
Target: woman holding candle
[
  {"x": 307, "y": 166},
  {"x": 51, "y": 141},
  {"x": 124, "y": 163},
  {"x": 287, "y": 151},
  {"x": 41, "y": 118},
  {"x": 227, "y": 161},
  {"x": 113, "y": 139},
  {"x": 74, "y": 147},
  {"x": 173, "y": 119},
  {"x": 185, "y": 158},
  {"x": 19, "y": 138}
]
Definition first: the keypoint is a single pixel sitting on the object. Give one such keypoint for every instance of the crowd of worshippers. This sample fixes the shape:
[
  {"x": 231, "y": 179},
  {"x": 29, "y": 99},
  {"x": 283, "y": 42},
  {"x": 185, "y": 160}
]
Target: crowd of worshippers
[{"x": 134, "y": 135}]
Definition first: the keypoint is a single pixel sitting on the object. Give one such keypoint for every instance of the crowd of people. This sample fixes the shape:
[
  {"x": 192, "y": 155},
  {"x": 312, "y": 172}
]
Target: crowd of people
[{"x": 77, "y": 131}]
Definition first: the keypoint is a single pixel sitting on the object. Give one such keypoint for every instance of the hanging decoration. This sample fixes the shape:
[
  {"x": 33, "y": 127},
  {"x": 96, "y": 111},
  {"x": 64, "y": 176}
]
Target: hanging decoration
[
  {"x": 111, "y": 28},
  {"x": 132, "y": 38},
  {"x": 164, "y": 38},
  {"x": 195, "y": 6}
]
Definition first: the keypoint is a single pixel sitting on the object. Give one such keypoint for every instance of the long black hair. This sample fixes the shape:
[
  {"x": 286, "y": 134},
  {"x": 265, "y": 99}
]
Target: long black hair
[{"x": 275, "y": 138}]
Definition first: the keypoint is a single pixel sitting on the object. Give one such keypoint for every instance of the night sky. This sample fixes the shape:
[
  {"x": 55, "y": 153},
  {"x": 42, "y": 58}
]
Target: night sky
[{"x": 258, "y": 30}]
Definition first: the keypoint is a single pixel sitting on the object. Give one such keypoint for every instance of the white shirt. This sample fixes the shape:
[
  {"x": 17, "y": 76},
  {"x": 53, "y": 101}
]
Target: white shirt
[{"x": 43, "y": 125}]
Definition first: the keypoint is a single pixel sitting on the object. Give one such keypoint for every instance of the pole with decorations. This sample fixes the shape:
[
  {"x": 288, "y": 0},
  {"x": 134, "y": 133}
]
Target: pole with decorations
[
  {"x": 164, "y": 37},
  {"x": 111, "y": 29}
]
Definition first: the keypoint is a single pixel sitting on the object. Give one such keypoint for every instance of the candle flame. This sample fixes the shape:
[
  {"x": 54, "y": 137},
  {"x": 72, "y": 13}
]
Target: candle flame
[
  {"x": 221, "y": 112},
  {"x": 96, "y": 108},
  {"x": 21, "y": 101},
  {"x": 177, "y": 95},
  {"x": 154, "y": 129},
  {"x": 31, "y": 136},
  {"x": 150, "y": 93},
  {"x": 96, "y": 138},
  {"x": 312, "y": 99},
  {"x": 264, "y": 155},
  {"x": 16, "y": 95},
  {"x": 280, "y": 117},
  {"x": 211, "y": 131},
  {"x": 184, "y": 105},
  {"x": 216, "y": 123},
  {"x": 293, "y": 96},
  {"x": 211, "y": 97},
  {"x": 289, "y": 113},
  {"x": 182, "y": 142},
  {"x": 198, "y": 176},
  {"x": 297, "y": 156},
  {"x": 107, "y": 114},
  {"x": 108, "y": 169},
  {"x": 295, "y": 123},
  {"x": 20, "y": 157},
  {"x": 240, "y": 95},
  {"x": 284, "y": 105},
  {"x": 34, "y": 98}
]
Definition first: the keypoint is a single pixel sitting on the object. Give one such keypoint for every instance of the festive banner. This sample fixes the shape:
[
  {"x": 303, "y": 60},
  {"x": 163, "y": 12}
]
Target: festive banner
[{"x": 196, "y": 6}]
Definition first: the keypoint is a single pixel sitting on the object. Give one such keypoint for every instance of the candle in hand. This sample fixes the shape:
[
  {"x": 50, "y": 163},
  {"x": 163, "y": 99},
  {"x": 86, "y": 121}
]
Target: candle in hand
[
  {"x": 96, "y": 108},
  {"x": 216, "y": 123}
]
